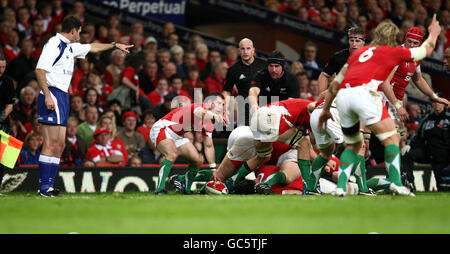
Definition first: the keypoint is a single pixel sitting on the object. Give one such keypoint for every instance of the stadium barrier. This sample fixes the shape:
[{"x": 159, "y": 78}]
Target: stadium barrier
[{"x": 138, "y": 179}]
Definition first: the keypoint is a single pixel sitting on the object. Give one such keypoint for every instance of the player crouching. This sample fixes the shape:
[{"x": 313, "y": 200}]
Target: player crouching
[{"x": 168, "y": 136}]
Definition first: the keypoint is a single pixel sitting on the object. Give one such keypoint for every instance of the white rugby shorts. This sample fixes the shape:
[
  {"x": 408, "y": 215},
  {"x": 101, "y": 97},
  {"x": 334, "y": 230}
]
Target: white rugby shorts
[
  {"x": 160, "y": 131},
  {"x": 333, "y": 133}
]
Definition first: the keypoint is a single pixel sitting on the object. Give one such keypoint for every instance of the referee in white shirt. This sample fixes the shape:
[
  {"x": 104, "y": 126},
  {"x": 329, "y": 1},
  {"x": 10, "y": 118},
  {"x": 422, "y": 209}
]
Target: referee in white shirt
[{"x": 54, "y": 73}]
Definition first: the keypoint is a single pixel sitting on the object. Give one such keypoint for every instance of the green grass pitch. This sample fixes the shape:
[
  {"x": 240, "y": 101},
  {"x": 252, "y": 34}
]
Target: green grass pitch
[{"x": 145, "y": 213}]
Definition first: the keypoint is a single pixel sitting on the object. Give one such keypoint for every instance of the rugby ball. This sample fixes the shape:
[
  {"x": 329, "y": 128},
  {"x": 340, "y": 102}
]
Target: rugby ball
[{"x": 216, "y": 188}]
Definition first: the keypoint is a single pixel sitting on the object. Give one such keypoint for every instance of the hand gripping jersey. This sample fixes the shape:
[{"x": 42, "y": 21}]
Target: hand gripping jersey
[{"x": 371, "y": 65}]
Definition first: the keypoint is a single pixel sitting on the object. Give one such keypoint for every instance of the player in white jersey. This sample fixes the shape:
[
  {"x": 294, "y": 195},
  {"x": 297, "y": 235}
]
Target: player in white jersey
[{"x": 54, "y": 73}]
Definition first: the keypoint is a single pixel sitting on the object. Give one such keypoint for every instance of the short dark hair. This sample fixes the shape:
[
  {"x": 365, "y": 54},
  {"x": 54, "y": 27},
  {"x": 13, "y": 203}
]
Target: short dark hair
[
  {"x": 175, "y": 76},
  {"x": 69, "y": 23},
  {"x": 356, "y": 30}
]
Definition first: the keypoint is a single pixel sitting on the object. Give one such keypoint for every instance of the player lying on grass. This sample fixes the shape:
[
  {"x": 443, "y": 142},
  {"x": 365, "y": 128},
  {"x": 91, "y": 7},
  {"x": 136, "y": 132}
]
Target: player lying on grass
[
  {"x": 241, "y": 160},
  {"x": 168, "y": 136}
]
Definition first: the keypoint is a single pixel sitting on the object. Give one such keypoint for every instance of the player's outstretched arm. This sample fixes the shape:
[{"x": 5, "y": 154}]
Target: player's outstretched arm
[
  {"x": 427, "y": 46},
  {"x": 98, "y": 47}
]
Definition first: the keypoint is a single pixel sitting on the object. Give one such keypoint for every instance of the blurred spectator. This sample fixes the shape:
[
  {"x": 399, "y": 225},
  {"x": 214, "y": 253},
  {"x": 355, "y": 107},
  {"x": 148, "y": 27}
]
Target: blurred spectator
[
  {"x": 445, "y": 23},
  {"x": 177, "y": 53},
  {"x": 273, "y": 5},
  {"x": 163, "y": 57},
  {"x": 10, "y": 19},
  {"x": 311, "y": 62},
  {"x": 421, "y": 15},
  {"x": 431, "y": 144},
  {"x": 194, "y": 41},
  {"x": 386, "y": 6},
  {"x": 114, "y": 22},
  {"x": 167, "y": 29},
  {"x": 434, "y": 7},
  {"x": 168, "y": 70},
  {"x": 23, "y": 63},
  {"x": 216, "y": 81},
  {"x": 113, "y": 34},
  {"x": 398, "y": 14},
  {"x": 27, "y": 101},
  {"x": 376, "y": 16},
  {"x": 188, "y": 60},
  {"x": 303, "y": 13},
  {"x": 31, "y": 5},
  {"x": 148, "y": 121},
  {"x": 133, "y": 141},
  {"x": 297, "y": 67},
  {"x": 363, "y": 23},
  {"x": 176, "y": 86},
  {"x": 107, "y": 120},
  {"x": 193, "y": 81},
  {"x": 12, "y": 50},
  {"x": 116, "y": 67},
  {"x": 353, "y": 14},
  {"x": 29, "y": 155},
  {"x": 87, "y": 128},
  {"x": 148, "y": 78},
  {"x": 438, "y": 52},
  {"x": 91, "y": 98},
  {"x": 58, "y": 11},
  {"x": 314, "y": 10},
  {"x": 341, "y": 23},
  {"x": 414, "y": 118},
  {"x": 93, "y": 80},
  {"x": 293, "y": 7},
  {"x": 157, "y": 95},
  {"x": 339, "y": 9},
  {"x": 101, "y": 152},
  {"x": 88, "y": 163},
  {"x": 314, "y": 89},
  {"x": 447, "y": 59},
  {"x": 136, "y": 40},
  {"x": 135, "y": 161},
  {"x": 201, "y": 56},
  {"x": 214, "y": 56},
  {"x": 303, "y": 81},
  {"x": 78, "y": 10},
  {"x": 82, "y": 68},
  {"x": 76, "y": 107},
  {"x": 231, "y": 55},
  {"x": 5, "y": 29},
  {"x": 23, "y": 22},
  {"x": 37, "y": 36},
  {"x": 114, "y": 110},
  {"x": 45, "y": 14},
  {"x": 325, "y": 18},
  {"x": 75, "y": 149},
  {"x": 172, "y": 40},
  {"x": 151, "y": 43},
  {"x": 7, "y": 97}
]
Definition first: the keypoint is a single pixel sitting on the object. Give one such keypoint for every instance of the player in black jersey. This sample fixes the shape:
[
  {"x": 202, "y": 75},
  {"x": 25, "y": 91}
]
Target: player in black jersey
[
  {"x": 356, "y": 40},
  {"x": 240, "y": 75}
]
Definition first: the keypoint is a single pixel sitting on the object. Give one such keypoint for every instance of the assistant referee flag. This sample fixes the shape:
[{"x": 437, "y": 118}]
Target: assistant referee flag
[{"x": 9, "y": 149}]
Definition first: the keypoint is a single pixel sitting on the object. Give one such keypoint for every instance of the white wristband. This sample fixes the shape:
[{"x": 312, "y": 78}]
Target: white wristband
[
  {"x": 397, "y": 105},
  {"x": 434, "y": 96},
  {"x": 213, "y": 166}
]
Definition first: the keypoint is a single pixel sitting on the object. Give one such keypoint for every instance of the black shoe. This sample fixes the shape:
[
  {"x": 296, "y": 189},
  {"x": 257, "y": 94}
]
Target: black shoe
[
  {"x": 50, "y": 193},
  {"x": 177, "y": 184},
  {"x": 370, "y": 192},
  {"x": 407, "y": 183},
  {"x": 163, "y": 192},
  {"x": 263, "y": 188}
]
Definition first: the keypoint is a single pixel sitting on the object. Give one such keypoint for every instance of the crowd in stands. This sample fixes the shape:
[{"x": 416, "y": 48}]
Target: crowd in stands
[
  {"x": 342, "y": 14},
  {"x": 117, "y": 97}
]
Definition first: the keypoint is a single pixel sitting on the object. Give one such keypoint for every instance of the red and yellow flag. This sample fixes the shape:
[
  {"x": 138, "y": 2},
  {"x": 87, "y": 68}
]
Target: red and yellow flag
[{"x": 9, "y": 149}]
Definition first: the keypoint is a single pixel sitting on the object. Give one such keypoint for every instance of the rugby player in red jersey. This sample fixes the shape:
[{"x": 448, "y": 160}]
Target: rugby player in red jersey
[
  {"x": 355, "y": 89},
  {"x": 168, "y": 136}
]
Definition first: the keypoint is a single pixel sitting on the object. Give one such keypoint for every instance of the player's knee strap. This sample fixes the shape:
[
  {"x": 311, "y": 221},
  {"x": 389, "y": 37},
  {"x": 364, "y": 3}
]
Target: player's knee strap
[
  {"x": 264, "y": 153},
  {"x": 386, "y": 135}
]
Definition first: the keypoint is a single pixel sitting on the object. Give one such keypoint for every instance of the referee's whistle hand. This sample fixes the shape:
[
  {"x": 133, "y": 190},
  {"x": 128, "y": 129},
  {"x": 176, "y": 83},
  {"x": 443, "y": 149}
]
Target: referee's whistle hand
[{"x": 49, "y": 103}]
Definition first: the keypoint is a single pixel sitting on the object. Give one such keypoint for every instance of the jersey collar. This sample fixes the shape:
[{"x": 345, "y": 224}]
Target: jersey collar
[{"x": 62, "y": 38}]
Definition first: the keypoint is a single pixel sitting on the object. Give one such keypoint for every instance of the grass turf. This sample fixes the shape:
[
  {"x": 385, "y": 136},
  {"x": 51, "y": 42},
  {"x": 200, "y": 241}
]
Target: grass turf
[{"x": 136, "y": 213}]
